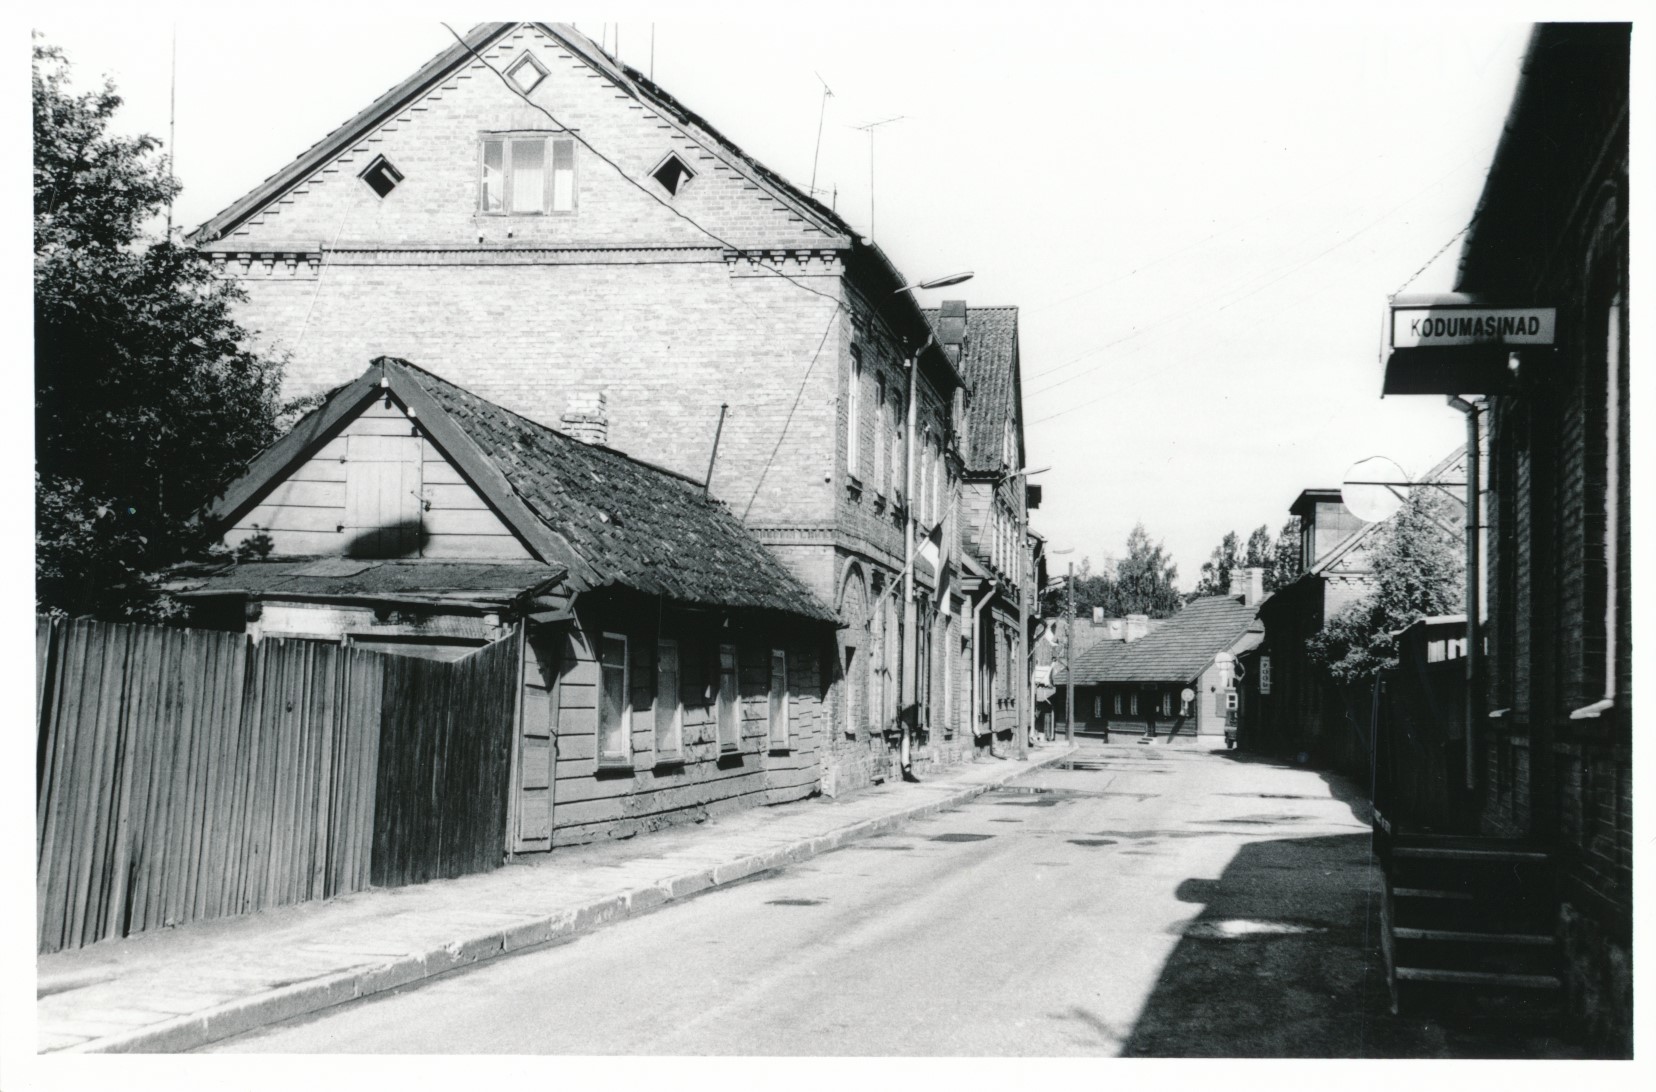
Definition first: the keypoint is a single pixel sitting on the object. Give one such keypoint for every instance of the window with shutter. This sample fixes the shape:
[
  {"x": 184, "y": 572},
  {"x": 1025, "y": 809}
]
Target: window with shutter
[
  {"x": 730, "y": 721},
  {"x": 669, "y": 705},
  {"x": 614, "y": 702},
  {"x": 779, "y": 700}
]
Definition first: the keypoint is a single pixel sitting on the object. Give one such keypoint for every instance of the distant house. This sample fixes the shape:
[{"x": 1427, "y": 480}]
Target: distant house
[
  {"x": 1136, "y": 684},
  {"x": 672, "y": 666},
  {"x": 1303, "y": 711}
]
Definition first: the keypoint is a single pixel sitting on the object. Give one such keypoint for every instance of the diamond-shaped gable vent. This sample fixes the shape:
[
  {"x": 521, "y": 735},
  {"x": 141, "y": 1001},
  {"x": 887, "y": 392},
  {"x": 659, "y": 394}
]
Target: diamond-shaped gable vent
[{"x": 526, "y": 73}]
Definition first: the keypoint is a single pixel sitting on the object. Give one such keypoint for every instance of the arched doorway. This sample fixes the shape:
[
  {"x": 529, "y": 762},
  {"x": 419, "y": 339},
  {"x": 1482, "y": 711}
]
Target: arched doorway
[{"x": 855, "y": 651}]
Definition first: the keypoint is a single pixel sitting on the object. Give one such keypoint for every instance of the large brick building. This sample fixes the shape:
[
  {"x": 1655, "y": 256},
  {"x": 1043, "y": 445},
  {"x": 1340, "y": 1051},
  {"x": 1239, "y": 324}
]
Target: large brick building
[
  {"x": 542, "y": 224},
  {"x": 1551, "y": 709}
]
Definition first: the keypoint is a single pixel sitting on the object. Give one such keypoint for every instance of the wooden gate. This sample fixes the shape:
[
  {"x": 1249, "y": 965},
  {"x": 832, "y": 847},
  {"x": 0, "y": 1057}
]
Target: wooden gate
[{"x": 445, "y": 763}]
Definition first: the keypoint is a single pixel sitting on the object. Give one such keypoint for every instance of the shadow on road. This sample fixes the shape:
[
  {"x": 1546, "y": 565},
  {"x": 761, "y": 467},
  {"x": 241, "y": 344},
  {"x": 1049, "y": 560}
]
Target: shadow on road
[{"x": 1282, "y": 960}]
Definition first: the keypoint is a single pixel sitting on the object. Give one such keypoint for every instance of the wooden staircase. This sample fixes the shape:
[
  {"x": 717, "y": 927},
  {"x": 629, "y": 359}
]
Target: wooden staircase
[{"x": 1467, "y": 927}]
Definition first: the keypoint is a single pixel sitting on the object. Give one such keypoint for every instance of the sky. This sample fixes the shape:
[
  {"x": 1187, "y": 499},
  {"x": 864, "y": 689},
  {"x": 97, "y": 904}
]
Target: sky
[{"x": 1200, "y": 213}]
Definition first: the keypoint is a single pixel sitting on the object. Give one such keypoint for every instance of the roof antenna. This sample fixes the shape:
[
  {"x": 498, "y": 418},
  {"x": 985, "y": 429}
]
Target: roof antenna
[
  {"x": 869, "y": 129},
  {"x": 172, "y": 129},
  {"x": 652, "y": 52},
  {"x": 821, "y": 114}
]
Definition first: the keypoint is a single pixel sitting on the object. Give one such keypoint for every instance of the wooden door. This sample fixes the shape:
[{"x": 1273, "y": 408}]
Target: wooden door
[{"x": 382, "y": 496}]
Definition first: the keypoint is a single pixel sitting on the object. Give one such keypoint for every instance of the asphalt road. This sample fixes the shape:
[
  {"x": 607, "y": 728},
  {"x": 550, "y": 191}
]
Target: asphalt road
[{"x": 1148, "y": 901}]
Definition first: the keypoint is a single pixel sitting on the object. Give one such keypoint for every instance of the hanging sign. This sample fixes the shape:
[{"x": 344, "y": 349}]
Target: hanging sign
[
  {"x": 1415, "y": 327},
  {"x": 1265, "y": 675}
]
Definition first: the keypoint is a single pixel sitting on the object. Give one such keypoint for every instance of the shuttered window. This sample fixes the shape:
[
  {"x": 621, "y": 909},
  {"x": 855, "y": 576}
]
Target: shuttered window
[
  {"x": 730, "y": 723},
  {"x": 669, "y": 708},
  {"x": 779, "y": 700},
  {"x": 614, "y": 703}
]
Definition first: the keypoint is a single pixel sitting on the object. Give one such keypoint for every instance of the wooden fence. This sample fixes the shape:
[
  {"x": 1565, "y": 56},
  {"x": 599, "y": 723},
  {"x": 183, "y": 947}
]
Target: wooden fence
[{"x": 184, "y": 775}]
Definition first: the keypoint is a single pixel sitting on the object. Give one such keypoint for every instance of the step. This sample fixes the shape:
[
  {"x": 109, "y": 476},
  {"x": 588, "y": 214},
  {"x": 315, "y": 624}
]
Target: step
[
  {"x": 1479, "y": 978},
  {"x": 1537, "y": 940},
  {"x": 1456, "y": 853},
  {"x": 1431, "y": 893}
]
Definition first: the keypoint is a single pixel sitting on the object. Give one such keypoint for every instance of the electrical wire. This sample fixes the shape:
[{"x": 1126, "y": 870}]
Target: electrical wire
[
  {"x": 832, "y": 318},
  {"x": 640, "y": 187}
]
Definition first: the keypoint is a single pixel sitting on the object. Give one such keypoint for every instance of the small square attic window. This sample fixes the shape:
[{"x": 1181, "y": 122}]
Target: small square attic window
[
  {"x": 526, "y": 73},
  {"x": 381, "y": 176},
  {"x": 673, "y": 173}
]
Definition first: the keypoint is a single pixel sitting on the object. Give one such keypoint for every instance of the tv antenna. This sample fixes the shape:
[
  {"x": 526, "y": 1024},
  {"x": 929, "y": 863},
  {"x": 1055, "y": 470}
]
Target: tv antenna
[
  {"x": 869, "y": 129},
  {"x": 827, "y": 93}
]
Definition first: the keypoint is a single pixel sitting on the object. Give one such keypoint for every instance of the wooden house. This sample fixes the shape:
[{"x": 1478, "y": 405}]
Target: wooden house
[{"x": 672, "y": 666}]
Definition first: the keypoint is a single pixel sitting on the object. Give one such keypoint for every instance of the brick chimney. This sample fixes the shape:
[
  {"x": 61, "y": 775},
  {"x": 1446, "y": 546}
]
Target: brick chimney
[
  {"x": 1238, "y": 582},
  {"x": 586, "y": 418},
  {"x": 1137, "y": 626},
  {"x": 1256, "y": 586},
  {"x": 951, "y": 328}
]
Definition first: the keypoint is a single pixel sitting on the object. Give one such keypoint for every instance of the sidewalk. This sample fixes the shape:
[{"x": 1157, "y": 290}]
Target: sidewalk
[{"x": 178, "y": 989}]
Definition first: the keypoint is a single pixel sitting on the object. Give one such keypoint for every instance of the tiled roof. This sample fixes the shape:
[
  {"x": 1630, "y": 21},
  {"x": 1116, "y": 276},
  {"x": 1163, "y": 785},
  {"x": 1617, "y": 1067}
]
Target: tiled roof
[
  {"x": 632, "y": 524},
  {"x": 989, "y": 365},
  {"x": 1178, "y": 650}
]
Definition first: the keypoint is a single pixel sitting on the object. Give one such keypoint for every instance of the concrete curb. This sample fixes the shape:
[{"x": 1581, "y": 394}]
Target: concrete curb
[{"x": 244, "y": 1014}]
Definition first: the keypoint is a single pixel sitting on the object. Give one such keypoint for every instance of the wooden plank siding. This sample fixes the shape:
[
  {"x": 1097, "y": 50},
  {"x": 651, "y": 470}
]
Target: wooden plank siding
[
  {"x": 378, "y": 474},
  {"x": 594, "y": 801},
  {"x": 185, "y": 775}
]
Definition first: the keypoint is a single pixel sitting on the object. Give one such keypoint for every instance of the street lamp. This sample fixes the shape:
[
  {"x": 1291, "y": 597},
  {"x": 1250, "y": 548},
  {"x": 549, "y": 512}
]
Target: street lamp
[
  {"x": 937, "y": 282},
  {"x": 1069, "y": 650}
]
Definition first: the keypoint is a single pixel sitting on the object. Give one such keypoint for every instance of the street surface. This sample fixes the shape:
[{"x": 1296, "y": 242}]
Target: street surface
[{"x": 1146, "y": 901}]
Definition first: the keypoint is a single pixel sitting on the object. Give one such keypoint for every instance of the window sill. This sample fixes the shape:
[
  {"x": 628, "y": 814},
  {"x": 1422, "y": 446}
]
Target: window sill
[
  {"x": 669, "y": 762},
  {"x": 1592, "y": 712},
  {"x": 782, "y": 749},
  {"x": 612, "y": 766},
  {"x": 854, "y": 486}
]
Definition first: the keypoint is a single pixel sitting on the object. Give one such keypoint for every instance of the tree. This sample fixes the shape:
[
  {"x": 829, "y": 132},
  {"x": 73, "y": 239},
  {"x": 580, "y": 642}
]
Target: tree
[
  {"x": 1284, "y": 566},
  {"x": 1146, "y": 579},
  {"x": 145, "y": 394},
  {"x": 1216, "y": 570},
  {"x": 1419, "y": 571}
]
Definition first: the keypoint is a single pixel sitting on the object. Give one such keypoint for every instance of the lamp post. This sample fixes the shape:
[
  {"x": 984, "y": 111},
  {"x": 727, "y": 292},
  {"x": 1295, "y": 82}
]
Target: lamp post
[{"x": 1069, "y": 648}]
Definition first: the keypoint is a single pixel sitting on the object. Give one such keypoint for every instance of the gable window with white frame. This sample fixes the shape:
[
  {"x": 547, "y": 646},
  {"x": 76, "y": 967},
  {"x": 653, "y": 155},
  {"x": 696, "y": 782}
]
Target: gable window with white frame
[
  {"x": 669, "y": 704},
  {"x": 614, "y": 703},
  {"x": 779, "y": 711},
  {"x": 729, "y": 702},
  {"x": 527, "y": 174}
]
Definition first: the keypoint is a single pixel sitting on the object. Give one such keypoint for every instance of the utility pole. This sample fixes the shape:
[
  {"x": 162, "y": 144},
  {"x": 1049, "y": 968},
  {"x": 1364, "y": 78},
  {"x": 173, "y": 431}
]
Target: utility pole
[{"x": 1069, "y": 654}]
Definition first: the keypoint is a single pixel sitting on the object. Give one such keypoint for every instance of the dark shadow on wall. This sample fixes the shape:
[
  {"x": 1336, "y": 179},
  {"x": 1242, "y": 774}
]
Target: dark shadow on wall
[
  {"x": 405, "y": 539},
  {"x": 1282, "y": 960}
]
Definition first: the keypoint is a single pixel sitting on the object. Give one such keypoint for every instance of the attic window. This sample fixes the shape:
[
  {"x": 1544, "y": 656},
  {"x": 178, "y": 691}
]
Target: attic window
[
  {"x": 526, "y": 73},
  {"x": 381, "y": 176},
  {"x": 672, "y": 174}
]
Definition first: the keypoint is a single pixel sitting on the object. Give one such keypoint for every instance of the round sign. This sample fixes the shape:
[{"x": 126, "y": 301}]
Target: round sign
[
  {"x": 1374, "y": 488},
  {"x": 1187, "y": 694}
]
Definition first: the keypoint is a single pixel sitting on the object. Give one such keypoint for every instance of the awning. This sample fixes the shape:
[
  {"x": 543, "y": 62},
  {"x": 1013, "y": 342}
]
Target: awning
[
  {"x": 366, "y": 580},
  {"x": 1454, "y": 343}
]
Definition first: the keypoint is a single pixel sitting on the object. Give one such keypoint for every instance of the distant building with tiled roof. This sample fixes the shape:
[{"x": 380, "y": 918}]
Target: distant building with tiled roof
[
  {"x": 1136, "y": 683},
  {"x": 672, "y": 665}
]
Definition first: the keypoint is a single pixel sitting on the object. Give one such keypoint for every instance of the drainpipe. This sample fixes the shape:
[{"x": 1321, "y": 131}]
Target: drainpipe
[
  {"x": 1473, "y": 581},
  {"x": 911, "y": 636}
]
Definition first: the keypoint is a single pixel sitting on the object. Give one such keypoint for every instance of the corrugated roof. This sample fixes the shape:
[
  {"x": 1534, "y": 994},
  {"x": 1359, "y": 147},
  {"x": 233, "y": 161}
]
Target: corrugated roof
[
  {"x": 989, "y": 365},
  {"x": 1180, "y": 649},
  {"x": 631, "y": 523}
]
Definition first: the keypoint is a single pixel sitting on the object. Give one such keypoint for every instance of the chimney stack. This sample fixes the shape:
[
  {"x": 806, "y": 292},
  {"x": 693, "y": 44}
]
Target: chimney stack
[
  {"x": 951, "y": 328},
  {"x": 1238, "y": 587},
  {"x": 1137, "y": 626},
  {"x": 1256, "y": 586},
  {"x": 586, "y": 418}
]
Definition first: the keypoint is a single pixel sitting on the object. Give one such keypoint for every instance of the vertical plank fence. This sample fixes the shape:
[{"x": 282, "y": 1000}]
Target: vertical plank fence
[{"x": 184, "y": 775}]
